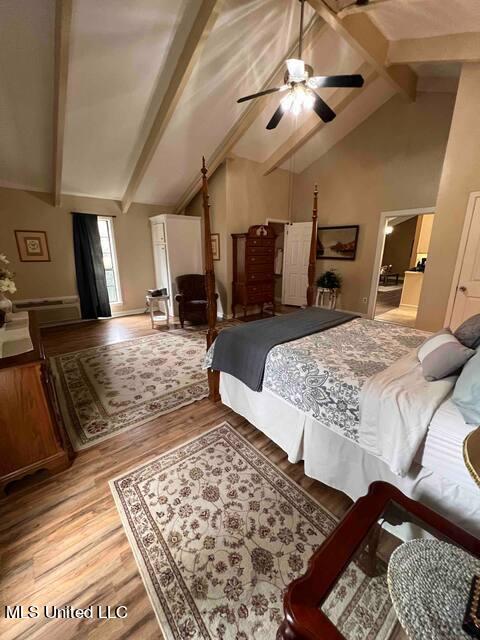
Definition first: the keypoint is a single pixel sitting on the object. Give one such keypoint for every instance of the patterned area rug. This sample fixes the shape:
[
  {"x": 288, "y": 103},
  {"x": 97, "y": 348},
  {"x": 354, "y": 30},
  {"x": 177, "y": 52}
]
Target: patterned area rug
[
  {"x": 218, "y": 532},
  {"x": 108, "y": 389}
]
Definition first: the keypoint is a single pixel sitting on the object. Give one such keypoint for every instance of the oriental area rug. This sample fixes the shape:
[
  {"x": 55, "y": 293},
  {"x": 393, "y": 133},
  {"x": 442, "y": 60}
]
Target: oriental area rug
[
  {"x": 111, "y": 388},
  {"x": 218, "y": 533}
]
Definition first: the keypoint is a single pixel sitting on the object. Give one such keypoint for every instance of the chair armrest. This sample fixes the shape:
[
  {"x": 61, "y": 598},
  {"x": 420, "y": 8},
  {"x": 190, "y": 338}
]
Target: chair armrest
[{"x": 179, "y": 297}]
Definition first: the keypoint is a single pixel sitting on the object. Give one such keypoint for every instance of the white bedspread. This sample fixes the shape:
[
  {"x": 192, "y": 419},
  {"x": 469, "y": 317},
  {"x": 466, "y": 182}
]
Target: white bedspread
[{"x": 396, "y": 407}]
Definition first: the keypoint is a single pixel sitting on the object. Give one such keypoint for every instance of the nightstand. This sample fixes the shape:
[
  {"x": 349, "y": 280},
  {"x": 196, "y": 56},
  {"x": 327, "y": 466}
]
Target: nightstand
[{"x": 361, "y": 539}]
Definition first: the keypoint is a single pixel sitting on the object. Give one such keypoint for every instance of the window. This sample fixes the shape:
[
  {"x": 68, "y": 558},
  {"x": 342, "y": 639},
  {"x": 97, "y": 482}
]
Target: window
[{"x": 105, "y": 228}]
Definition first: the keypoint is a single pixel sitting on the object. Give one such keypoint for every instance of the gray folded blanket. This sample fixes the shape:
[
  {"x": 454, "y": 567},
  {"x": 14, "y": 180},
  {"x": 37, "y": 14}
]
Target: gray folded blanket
[{"x": 242, "y": 351}]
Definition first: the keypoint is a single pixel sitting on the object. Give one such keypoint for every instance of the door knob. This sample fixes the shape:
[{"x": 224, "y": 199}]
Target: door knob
[{"x": 462, "y": 289}]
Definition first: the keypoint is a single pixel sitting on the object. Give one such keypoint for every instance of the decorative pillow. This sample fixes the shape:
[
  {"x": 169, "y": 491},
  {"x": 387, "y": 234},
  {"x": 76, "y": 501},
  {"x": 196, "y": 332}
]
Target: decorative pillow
[
  {"x": 469, "y": 332},
  {"x": 442, "y": 355},
  {"x": 466, "y": 394}
]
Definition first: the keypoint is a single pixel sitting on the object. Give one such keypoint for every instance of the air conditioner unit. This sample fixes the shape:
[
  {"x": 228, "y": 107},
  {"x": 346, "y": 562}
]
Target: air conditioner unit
[{"x": 51, "y": 310}]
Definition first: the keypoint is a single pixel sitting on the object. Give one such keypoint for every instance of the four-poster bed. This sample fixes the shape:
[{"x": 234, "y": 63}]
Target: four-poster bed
[
  {"x": 214, "y": 376},
  {"x": 308, "y": 401}
]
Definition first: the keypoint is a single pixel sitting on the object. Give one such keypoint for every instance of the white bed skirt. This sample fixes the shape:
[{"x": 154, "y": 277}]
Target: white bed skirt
[{"x": 342, "y": 464}]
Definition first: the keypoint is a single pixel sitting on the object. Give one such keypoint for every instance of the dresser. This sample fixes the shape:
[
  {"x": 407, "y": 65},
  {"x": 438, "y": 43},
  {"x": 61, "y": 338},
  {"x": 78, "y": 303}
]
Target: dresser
[
  {"x": 253, "y": 268},
  {"x": 177, "y": 251},
  {"x": 32, "y": 437}
]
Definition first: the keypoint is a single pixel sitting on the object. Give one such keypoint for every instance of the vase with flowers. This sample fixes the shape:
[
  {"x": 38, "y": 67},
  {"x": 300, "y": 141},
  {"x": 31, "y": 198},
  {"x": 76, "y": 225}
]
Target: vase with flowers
[{"x": 7, "y": 285}]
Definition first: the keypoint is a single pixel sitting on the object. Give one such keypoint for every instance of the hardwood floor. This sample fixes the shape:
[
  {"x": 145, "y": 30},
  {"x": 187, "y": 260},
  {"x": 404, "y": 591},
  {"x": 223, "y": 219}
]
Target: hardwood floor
[
  {"x": 61, "y": 540},
  {"x": 399, "y": 315}
]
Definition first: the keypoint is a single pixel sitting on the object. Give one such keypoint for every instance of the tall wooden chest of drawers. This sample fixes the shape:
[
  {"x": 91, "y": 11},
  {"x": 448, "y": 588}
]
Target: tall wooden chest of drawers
[{"x": 253, "y": 268}]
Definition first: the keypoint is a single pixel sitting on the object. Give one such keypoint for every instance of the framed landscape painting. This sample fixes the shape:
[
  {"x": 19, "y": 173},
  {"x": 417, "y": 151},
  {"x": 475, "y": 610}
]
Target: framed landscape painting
[
  {"x": 337, "y": 243},
  {"x": 32, "y": 246}
]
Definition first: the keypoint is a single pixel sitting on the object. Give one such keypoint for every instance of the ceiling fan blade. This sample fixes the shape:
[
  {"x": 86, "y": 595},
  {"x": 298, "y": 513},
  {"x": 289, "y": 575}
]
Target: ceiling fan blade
[
  {"x": 354, "y": 81},
  {"x": 322, "y": 109},
  {"x": 261, "y": 93},
  {"x": 275, "y": 119}
]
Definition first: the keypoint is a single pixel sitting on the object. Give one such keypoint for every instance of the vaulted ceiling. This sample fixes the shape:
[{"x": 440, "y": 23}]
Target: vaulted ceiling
[{"x": 121, "y": 98}]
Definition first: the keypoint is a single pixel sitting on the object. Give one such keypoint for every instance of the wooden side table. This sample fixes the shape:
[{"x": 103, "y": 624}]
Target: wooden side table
[
  {"x": 359, "y": 538},
  {"x": 153, "y": 305}
]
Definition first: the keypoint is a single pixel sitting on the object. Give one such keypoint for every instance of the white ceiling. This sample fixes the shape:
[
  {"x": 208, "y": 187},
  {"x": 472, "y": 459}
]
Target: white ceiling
[
  {"x": 119, "y": 55},
  {"x": 228, "y": 69},
  {"x": 368, "y": 101},
  {"x": 122, "y": 56},
  {"x": 401, "y": 19},
  {"x": 26, "y": 92}
]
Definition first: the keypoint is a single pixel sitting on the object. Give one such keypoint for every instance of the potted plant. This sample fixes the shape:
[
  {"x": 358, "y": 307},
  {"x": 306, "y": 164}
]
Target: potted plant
[
  {"x": 330, "y": 282},
  {"x": 7, "y": 285}
]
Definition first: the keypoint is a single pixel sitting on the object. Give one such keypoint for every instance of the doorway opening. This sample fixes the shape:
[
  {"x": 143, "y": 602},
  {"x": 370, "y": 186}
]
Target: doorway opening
[{"x": 402, "y": 252}]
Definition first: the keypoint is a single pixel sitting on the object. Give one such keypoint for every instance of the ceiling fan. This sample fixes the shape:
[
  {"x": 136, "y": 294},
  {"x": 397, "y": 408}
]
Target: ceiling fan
[{"x": 300, "y": 84}]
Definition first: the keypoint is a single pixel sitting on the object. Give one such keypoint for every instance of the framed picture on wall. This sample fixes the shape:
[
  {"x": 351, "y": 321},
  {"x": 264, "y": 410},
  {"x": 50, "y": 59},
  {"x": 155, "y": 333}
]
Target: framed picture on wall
[
  {"x": 32, "y": 246},
  {"x": 216, "y": 246},
  {"x": 337, "y": 243}
]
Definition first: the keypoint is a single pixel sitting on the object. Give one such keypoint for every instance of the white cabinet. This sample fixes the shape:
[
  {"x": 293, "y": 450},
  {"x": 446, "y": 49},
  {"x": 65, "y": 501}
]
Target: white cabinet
[
  {"x": 158, "y": 232},
  {"x": 177, "y": 250}
]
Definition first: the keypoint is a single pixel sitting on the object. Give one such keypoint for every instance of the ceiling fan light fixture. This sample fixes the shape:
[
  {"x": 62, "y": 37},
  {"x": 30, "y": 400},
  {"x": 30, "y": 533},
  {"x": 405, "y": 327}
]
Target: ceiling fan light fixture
[
  {"x": 308, "y": 100},
  {"x": 300, "y": 83},
  {"x": 296, "y": 70},
  {"x": 287, "y": 101}
]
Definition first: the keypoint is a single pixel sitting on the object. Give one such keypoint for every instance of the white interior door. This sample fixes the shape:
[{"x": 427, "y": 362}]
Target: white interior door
[
  {"x": 295, "y": 266},
  {"x": 467, "y": 297}
]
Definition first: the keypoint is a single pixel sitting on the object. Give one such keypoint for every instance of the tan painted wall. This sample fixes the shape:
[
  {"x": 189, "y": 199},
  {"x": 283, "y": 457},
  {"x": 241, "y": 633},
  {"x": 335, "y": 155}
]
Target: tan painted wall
[
  {"x": 391, "y": 161},
  {"x": 240, "y": 196},
  {"x": 460, "y": 176},
  {"x": 33, "y": 211},
  {"x": 252, "y": 198}
]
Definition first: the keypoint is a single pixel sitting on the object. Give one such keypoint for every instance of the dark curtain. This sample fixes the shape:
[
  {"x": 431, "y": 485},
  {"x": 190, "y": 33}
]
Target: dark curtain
[{"x": 91, "y": 283}]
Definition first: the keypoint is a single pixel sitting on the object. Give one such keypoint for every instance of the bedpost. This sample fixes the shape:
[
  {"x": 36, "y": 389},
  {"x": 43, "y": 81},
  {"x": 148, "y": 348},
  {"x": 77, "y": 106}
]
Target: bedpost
[
  {"x": 213, "y": 376},
  {"x": 313, "y": 252}
]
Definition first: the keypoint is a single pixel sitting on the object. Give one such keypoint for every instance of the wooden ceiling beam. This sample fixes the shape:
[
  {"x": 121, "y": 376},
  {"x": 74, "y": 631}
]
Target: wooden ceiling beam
[
  {"x": 363, "y": 35},
  {"x": 313, "y": 124},
  {"x": 63, "y": 20},
  {"x": 456, "y": 47},
  {"x": 251, "y": 113},
  {"x": 199, "y": 33}
]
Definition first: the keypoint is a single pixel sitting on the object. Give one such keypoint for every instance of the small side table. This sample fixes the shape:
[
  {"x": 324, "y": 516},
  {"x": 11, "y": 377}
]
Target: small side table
[
  {"x": 385, "y": 276},
  {"x": 361, "y": 540},
  {"x": 326, "y": 298},
  {"x": 153, "y": 305}
]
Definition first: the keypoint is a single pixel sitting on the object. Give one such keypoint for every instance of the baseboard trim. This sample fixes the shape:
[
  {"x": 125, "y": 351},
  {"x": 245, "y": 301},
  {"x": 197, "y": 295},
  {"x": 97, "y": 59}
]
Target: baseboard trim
[
  {"x": 357, "y": 313},
  {"x": 127, "y": 312},
  {"x": 115, "y": 314}
]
